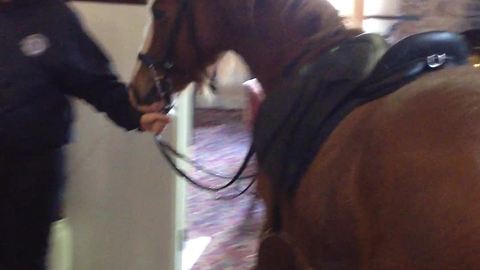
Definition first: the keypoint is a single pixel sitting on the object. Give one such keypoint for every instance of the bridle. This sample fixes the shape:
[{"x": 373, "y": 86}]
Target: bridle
[
  {"x": 160, "y": 71},
  {"x": 162, "y": 84}
]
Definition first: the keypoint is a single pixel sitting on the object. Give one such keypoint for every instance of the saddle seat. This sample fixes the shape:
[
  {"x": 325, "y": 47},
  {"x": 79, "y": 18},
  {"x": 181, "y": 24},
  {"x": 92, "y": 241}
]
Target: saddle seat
[{"x": 413, "y": 55}]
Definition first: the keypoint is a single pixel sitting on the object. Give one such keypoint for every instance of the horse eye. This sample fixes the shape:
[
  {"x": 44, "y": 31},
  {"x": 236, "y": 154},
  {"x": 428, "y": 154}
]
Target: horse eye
[{"x": 158, "y": 14}]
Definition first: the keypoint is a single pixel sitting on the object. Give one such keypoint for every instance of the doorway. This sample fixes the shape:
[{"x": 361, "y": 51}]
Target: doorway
[{"x": 221, "y": 234}]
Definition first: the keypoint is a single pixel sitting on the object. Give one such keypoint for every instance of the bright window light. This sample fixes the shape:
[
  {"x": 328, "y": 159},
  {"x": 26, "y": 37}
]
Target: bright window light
[
  {"x": 345, "y": 7},
  {"x": 193, "y": 250}
]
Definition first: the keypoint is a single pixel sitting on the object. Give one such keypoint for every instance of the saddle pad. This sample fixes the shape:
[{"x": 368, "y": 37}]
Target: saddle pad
[{"x": 293, "y": 122}]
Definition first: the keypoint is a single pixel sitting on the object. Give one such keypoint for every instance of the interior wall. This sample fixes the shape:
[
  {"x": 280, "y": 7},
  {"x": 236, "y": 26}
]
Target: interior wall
[
  {"x": 121, "y": 198},
  {"x": 456, "y": 16},
  {"x": 380, "y": 7}
]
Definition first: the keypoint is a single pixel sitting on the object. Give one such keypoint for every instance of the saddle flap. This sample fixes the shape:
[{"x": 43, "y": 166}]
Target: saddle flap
[{"x": 282, "y": 136}]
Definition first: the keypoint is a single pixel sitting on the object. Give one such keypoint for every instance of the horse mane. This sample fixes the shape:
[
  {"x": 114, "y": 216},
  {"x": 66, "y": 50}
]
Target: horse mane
[
  {"x": 313, "y": 18},
  {"x": 319, "y": 23},
  {"x": 313, "y": 25}
]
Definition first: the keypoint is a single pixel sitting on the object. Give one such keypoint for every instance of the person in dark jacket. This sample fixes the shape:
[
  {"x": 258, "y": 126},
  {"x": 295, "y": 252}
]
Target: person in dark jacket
[{"x": 46, "y": 56}]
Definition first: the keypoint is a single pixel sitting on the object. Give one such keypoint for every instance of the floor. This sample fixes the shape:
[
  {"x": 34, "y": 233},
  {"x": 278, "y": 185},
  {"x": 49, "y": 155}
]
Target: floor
[{"x": 225, "y": 230}]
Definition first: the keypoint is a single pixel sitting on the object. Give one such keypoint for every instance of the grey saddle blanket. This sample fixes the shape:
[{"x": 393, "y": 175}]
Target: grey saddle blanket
[{"x": 296, "y": 119}]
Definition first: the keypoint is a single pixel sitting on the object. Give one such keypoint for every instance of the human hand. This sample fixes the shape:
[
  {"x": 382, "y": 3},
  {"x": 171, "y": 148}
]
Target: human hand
[{"x": 154, "y": 122}]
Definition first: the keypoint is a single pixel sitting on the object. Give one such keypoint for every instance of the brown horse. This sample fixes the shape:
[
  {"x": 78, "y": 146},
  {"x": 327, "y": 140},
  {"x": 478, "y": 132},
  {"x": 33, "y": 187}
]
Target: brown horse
[{"x": 395, "y": 186}]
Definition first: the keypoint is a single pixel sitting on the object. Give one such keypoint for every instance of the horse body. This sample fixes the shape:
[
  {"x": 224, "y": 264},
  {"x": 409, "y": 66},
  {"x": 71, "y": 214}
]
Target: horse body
[{"x": 395, "y": 186}]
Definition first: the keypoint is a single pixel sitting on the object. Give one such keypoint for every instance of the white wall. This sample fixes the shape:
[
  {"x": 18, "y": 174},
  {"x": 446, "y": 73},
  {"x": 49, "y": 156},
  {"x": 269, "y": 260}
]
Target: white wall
[
  {"x": 380, "y": 7},
  {"x": 371, "y": 7},
  {"x": 456, "y": 16},
  {"x": 121, "y": 197}
]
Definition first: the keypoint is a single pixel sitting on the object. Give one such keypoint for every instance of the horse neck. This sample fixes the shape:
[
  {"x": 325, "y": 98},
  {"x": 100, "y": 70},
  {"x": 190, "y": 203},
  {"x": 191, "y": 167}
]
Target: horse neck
[{"x": 279, "y": 41}]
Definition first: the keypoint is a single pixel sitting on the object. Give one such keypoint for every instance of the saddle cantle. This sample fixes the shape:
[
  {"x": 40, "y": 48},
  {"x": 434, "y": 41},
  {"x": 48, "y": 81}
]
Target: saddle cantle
[
  {"x": 323, "y": 93},
  {"x": 414, "y": 55}
]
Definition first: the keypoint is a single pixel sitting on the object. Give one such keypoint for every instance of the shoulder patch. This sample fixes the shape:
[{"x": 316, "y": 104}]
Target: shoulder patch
[{"x": 34, "y": 45}]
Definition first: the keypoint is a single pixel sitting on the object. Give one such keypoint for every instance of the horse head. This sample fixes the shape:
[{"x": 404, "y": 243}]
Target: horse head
[
  {"x": 183, "y": 39},
  {"x": 187, "y": 36}
]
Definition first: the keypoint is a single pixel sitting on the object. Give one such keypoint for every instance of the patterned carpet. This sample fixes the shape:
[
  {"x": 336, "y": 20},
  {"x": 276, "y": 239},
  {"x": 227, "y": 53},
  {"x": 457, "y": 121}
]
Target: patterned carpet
[{"x": 220, "y": 143}]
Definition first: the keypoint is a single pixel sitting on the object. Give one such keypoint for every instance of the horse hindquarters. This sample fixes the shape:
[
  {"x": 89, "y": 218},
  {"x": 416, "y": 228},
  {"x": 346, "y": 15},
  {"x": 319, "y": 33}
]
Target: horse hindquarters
[
  {"x": 421, "y": 176},
  {"x": 397, "y": 184}
]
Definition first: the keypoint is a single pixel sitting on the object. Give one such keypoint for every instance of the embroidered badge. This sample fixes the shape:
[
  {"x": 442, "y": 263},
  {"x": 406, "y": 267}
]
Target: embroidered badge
[{"x": 34, "y": 45}]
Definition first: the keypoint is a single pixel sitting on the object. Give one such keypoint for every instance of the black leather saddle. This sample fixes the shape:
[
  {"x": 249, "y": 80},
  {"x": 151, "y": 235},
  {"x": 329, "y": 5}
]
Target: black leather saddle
[
  {"x": 414, "y": 55},
  {"x": 293, "y": 122}
]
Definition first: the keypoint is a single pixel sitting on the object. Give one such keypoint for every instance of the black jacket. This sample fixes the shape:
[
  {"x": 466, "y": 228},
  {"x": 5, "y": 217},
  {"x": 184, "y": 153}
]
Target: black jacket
[{"x": 45, "y": 56}]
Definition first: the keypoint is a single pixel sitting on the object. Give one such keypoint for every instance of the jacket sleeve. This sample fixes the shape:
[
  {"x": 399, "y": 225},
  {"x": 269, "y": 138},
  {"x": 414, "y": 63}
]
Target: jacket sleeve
[{"x": 85, "y": 72}]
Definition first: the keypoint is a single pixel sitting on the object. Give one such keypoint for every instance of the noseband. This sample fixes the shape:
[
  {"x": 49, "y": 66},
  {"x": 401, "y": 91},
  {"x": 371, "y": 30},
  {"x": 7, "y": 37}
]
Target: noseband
[
  {"x": 161, "y": 69},
  {"x": 162, "y": 89}
]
